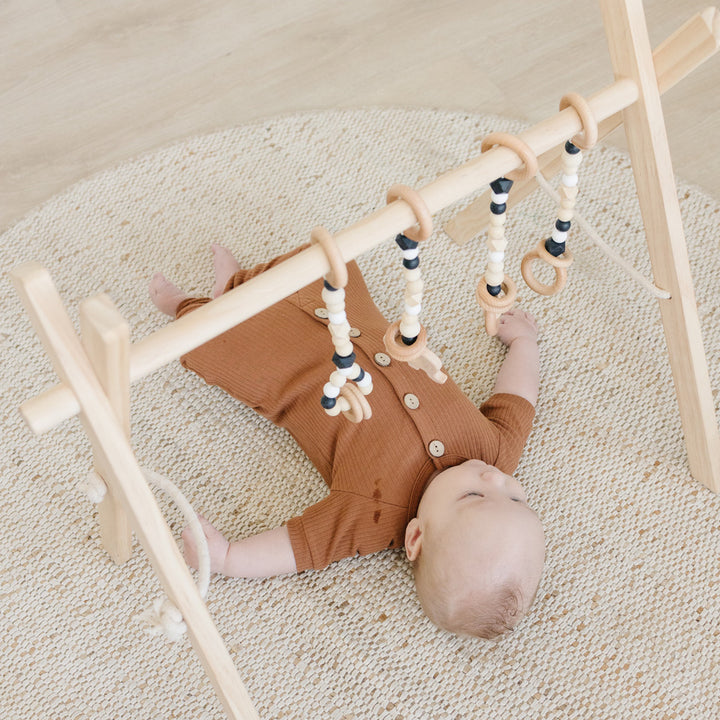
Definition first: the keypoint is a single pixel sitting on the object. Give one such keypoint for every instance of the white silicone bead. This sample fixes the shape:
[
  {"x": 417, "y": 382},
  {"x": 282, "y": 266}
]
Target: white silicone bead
[
  {"x": 569, "y": 180},
  {"x": 337, "y": 318},
  {"x": 330, "y": 390},
  {"x": 366, "y": 381}
]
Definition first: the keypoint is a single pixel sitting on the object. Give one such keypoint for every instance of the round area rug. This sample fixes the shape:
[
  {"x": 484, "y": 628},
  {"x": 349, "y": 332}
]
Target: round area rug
[{"x": 625, "y": 622}]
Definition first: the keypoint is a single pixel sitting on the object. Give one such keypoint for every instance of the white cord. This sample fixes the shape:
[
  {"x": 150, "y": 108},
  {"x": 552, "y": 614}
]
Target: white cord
[
  {"x": 604, "y": 247},
  {"x": 164, "y": 617}
]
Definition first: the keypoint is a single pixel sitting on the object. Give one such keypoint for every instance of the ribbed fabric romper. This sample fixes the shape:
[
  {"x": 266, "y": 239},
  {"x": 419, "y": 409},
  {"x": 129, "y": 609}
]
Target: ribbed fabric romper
[{"x": 277, "y": 363}]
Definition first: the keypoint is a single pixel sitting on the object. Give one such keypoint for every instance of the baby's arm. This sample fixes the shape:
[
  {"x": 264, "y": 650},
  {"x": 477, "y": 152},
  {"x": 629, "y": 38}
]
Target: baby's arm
[
  {"x": 266, "y": 554},
  {"x": 520, "y": 372}
]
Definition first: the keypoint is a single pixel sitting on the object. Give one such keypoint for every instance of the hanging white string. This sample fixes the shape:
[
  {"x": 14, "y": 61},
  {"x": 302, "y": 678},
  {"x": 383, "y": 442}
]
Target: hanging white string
[
  {"x": 164, "y": 617},
  {"x": 613, "y": 255}
]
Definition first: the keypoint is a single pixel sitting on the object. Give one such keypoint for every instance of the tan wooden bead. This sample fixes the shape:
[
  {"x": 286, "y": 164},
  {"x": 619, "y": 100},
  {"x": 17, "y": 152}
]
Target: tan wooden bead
[
  {"x": 569, "y": 193},
  {"x": 412, "y": 274},
  {"x": 499, "y": 245},
  {"x": 572, "y": 162},
  {"x": 337, "y": 295},
  {"x": 493, "y": 278},
  {"x": 565, "y": 214},
  {"x": 343, "y": 348},
  {"x": 496, "y": 233},
  {"x": 415, "y": 287},
  {"x": 410, "y": 328},
  {"x": 497, "y": 220},
  {"x": 337, "y": 408},
  {"x": 342, "y": 330}
]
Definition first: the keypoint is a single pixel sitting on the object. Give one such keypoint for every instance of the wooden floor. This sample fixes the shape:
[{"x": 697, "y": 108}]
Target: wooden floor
[{"x": 85, "y": 85}]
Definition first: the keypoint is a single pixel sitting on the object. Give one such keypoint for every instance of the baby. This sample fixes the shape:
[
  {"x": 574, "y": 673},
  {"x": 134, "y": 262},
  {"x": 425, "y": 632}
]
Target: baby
[{"x": 428, "y": 470}]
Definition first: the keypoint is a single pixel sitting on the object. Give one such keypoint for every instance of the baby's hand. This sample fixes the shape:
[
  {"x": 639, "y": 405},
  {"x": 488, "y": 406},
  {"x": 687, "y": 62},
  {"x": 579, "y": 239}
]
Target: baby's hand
[
  {"x": 516, "y": 324},
  {"x": 217, "y": 545}
]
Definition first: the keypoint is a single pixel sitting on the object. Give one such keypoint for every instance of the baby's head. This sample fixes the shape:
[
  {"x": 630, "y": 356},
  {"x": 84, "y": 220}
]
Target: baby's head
[{"x": 477, "y": 550}]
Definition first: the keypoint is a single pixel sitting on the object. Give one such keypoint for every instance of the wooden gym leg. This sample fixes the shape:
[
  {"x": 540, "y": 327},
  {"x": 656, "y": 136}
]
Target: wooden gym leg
[
  {"x": 106, "y": 338},
  {"x": 117, "y": 462},
  {"x": 631, "y": 56}
]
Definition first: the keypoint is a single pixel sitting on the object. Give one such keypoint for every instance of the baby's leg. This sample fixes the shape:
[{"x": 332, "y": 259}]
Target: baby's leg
[
  {"x": 225, "y": 266},
  {"x": 165, "y": 295}
]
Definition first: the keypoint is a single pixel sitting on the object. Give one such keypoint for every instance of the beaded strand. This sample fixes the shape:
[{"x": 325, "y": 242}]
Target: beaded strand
[{"x": 344, "y": 355}]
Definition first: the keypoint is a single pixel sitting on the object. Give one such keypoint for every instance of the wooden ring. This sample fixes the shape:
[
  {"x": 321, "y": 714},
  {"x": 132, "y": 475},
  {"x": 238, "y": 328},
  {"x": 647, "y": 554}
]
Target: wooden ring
[
  {"x": 496, "y": 303},
  {"x": 495, "y": 306},
  {"x": 419, "y": 208},
  {"x": 579, "y": 104},
  {"x": 398, "y": 350},
  {"x": 338, "y": 275},
  {"x": 520, "y": 148},
  {"x": 560, "y": 269},
  {"x": 359, "y": 406}
]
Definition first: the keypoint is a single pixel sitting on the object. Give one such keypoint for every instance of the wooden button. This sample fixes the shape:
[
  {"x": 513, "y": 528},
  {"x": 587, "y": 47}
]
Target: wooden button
[
  {"x": 411, "y": 401},
  {"x": 436, "y": 448},
  {"x": 354, "y": 332},
  {"x": 382, "y": 359},
  {"x": 322, "y": 312}
]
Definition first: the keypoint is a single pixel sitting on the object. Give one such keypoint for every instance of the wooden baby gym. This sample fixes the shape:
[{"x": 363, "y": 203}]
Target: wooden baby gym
[{"x": 96, "y": 371}]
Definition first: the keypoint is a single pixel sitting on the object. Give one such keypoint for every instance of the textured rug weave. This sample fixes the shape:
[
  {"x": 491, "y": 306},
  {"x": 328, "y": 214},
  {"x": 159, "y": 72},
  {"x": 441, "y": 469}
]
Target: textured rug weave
[{"x": 627, "y": 615}]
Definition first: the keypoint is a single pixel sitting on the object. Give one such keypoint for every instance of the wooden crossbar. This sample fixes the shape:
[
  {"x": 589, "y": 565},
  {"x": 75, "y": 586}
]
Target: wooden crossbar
[{"x": 212, "y": 319}]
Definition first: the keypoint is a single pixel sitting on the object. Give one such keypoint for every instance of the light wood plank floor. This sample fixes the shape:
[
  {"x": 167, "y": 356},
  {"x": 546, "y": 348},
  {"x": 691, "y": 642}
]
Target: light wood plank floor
[{"x": 85, "y": 85}]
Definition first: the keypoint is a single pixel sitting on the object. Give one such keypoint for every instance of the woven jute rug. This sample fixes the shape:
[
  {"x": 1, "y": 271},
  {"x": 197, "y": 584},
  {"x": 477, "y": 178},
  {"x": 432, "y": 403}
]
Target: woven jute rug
[{"x": 626, "y": 620}]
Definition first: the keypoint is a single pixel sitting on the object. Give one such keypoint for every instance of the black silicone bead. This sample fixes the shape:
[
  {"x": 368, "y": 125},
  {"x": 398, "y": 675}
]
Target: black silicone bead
[
  {"x": 343, "y": 361},
  {"x": 554, "y": 248},
  {"x": 494, "y": 290},
  {"x": 406, "y": 243},
  {"x": 572, "y": 149},
  {"x": 411, "y": 263},
  {"x": 496, "y": 209},
  {"x": 407, "y": 340},
  {"x": 327, "y": 402},
  {"x": 501, "y": 185},
  {"x": 562, "y": 225}
]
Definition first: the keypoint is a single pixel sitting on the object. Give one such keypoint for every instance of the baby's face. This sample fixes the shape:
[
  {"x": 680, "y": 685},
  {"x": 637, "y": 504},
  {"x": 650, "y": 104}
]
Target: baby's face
[{"x": 475, "y": 505}]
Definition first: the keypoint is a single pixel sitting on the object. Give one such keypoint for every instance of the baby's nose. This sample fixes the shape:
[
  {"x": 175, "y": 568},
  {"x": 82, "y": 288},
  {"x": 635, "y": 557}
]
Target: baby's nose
[{"x": 494, "y": 476}]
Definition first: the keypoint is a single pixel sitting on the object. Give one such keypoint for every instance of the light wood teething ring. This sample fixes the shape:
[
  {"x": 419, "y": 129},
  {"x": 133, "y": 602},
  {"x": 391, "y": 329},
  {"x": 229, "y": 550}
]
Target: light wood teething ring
[
  {"x": 559, "y": 264},
  {"x": 415, "y": 201},
  {"x": 495, "y": 306},
  {"x": 589, "y": 135},
  {"x": 520, "y": 148},
  {"x": 397, "y": 349},
  {"x": 338, "y": 275},
  {"x": 359, "y": 406}
]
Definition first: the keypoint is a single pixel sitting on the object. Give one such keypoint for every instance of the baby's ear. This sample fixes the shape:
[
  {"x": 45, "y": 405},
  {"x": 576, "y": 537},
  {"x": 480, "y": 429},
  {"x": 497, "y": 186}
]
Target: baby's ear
[{"x": 413, "y": 539}]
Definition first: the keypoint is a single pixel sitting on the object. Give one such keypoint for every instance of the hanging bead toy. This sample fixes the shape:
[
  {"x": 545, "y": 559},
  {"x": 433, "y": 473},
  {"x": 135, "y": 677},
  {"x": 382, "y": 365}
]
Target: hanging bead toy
[
  {"x": 553, "y": 250},
  {"x": 496, "y": 291},
  {"x": 406, "y": 339},
  {"x": 338, "y": 395}
]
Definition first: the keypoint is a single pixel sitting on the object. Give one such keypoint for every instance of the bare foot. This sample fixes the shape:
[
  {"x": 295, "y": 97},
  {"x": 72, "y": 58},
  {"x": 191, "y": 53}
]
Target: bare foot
[
  {"x": 225, "y": 266},
  {"x": 165, "y": 295}
]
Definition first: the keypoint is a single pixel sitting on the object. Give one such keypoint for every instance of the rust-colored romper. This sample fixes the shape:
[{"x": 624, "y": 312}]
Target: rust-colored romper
[{"x": 277, "y": 363}]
